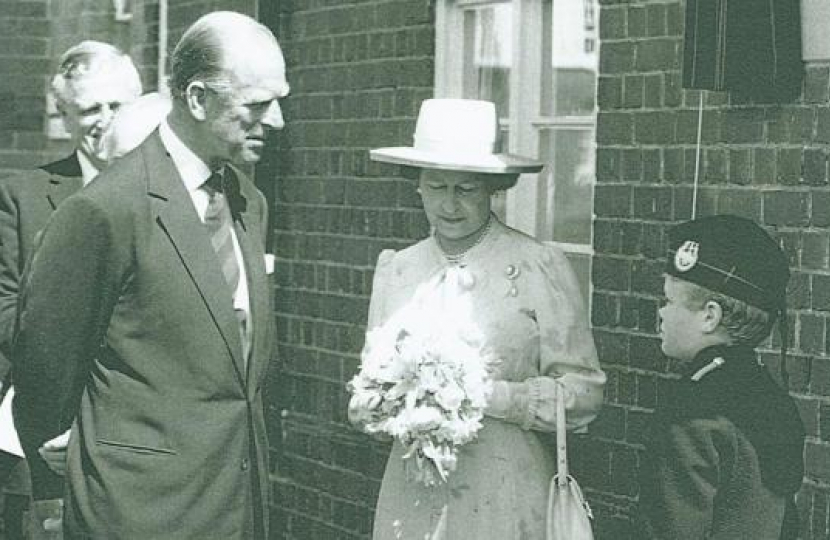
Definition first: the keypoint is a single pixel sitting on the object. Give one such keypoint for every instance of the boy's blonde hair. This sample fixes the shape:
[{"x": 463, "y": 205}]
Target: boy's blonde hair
[{"x": 744, "y": 323}]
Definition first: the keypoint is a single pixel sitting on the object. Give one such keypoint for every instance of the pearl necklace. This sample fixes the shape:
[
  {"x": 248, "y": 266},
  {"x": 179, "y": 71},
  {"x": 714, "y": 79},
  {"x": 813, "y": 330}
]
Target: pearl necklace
[{"x": 458, "y": 258}]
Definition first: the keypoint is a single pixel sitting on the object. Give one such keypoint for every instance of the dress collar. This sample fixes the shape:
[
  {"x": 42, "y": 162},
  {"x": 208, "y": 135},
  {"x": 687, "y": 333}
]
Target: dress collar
[{"x": 475, "y": 253}]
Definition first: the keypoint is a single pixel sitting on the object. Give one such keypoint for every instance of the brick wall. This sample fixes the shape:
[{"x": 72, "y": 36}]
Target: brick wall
[
  {"x": 24, "y": 65},
  {"x": 768, "y": 163},
  {"x": 357, "y": 71},
  {"x": 182, "y": 13}
]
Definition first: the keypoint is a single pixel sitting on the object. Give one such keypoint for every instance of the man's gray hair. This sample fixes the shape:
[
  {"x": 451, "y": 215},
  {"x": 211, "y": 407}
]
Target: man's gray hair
[
  {"x": 199, "y": 55},
  {"x": 92, "y": 58}
]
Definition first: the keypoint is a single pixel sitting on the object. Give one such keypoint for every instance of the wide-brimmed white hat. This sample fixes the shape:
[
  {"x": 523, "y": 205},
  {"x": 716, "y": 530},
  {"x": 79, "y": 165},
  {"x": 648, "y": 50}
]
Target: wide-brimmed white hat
[{"x": 458, "y": 135}]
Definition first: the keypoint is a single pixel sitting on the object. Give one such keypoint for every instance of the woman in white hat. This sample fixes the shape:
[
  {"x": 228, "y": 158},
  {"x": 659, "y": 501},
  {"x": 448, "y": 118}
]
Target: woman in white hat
[{"x": 525, "y": 300}]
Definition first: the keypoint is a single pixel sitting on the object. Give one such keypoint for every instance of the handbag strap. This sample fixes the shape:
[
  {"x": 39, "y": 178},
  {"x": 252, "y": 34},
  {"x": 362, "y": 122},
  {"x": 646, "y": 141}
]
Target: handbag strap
[{"x": 561, "y": 437}]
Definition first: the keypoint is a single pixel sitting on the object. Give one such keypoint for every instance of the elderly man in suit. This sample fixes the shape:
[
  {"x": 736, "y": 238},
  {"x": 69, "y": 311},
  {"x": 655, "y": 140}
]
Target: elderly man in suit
[
  {"x": 92, "y": 81},
  {"x": 147, "y": 311}
]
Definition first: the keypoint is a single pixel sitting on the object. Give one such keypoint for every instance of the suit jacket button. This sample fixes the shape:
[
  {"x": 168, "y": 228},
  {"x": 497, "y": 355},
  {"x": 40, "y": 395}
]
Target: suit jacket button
[{"x": 245, "y": 464}]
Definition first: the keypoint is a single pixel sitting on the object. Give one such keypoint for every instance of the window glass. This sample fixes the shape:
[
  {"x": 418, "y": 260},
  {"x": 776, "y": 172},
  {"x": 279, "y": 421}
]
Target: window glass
[
  {"x": 568, "y": 180},
  {"x": 570, "y": 58},
  {"x": 489, "y": 54}
]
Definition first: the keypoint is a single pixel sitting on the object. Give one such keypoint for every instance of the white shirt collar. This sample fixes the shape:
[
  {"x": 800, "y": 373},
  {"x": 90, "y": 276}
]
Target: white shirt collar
[
  {"x": 191, "y": 168},
  {"x": 88, "y": 170}
]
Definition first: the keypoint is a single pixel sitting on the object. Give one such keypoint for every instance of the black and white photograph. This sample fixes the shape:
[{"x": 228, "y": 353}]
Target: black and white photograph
[{"x": 414, "y": 270}]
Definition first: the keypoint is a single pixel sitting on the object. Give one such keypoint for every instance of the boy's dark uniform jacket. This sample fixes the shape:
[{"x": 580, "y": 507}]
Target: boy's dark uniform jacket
[
  {"x": 128, "y": 322},
  {"x": 725, "y": 458}
]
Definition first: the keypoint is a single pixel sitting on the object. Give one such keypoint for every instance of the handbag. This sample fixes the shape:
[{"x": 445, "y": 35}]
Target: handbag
[{"x": 569, "y": 516}]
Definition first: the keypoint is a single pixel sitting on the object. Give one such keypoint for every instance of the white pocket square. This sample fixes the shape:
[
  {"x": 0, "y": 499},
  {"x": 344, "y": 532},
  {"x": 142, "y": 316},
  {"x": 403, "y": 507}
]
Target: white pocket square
[{"x": 269, "y": 263}]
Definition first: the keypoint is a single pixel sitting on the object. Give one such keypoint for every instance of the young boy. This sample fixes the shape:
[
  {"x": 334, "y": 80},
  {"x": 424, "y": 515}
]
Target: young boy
[{"x": 725, "y": 458}]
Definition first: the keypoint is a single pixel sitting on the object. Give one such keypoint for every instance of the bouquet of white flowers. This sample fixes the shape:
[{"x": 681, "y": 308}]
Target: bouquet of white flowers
[{"x": 424, "y": 379}]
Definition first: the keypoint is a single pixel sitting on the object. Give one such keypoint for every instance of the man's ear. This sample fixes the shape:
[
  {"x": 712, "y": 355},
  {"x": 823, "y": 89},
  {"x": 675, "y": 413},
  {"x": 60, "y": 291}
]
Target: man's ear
[
  {"x": 712, "y": 314},
  {"x": 195, "y": 96}
]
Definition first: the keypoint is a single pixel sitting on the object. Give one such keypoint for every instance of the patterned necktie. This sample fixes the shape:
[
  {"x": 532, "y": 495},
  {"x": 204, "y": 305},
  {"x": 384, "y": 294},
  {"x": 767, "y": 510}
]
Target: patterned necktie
[{"x": 218, "y": 222}]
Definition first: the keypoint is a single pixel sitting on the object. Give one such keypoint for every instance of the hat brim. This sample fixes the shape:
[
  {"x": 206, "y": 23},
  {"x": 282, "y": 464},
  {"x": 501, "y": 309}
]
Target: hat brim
[{"x": 491, "y": 163}]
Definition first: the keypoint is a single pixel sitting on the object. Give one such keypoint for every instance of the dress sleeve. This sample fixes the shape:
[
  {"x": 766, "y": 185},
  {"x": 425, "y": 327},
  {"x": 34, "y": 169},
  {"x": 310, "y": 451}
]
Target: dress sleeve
[
  {"x": 567, "y": 360},
  {"x": 377, "y": 316},
  {"x": 380, "y": 285}
]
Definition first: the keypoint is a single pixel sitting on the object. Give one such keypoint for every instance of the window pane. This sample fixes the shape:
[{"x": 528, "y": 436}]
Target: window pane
[
  {"x": 568, "y": 181},
  {"x": 488, "y": 54},
  {"x": 571, "y": 57}
]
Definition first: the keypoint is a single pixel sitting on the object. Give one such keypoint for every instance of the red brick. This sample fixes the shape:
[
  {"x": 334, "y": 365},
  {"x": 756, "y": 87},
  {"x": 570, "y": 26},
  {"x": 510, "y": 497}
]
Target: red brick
[
  {"x": 817, "y": 461},
  {"x": 632, "y": 165},
  {"x": 632, "y": 91},
  {"x": 652, "y": 203},
  {"x": 609, "y": 168},
  {"x": 673, "y": 89},
  {"x": 744, "y": 125},
  {"x": 820, "y": 286},
  {"x": 823, "y": 125},
  {"x": 653, "y": 90},
  {"x": 815, "y": 167},
  {"x": 636, "y": 21},
  {"x": 654, "y": 128},
  {"x": 656, "y": 19},
  {"x": 817, "y": 84},
  {"x": 789, "y": 166},
  {"x": 742, "y": 202},
  {"x": 657, "y": 54},
  {"x": 714, "y": 166},
  {"x": 786, "y": 208},
  {"x": 820, "y": 379},
  {"x": 740, "y": 166},
  {"x": 613, "y": 22},
  {"x": 612, "y": 200},
  {"x": 815, "y": 250},
  {"x": 820, "y": 209},
  {"x": 617, "y": 57},
  {"x": 611, "y": 274}
]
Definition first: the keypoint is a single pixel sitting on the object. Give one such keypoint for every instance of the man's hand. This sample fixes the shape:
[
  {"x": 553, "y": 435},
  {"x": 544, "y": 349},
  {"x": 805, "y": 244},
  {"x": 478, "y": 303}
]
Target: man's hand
[
  {"x": 46, "y": 519},
  {"x": 53, "y": 453}
]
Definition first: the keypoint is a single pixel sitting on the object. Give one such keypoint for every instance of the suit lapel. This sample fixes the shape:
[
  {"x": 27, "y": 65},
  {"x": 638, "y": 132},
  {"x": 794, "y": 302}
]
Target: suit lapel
[
  {"x": 249, "y": 234},
  {"x": 177, "y": 217},
  {"x": 64, "y": 180}
]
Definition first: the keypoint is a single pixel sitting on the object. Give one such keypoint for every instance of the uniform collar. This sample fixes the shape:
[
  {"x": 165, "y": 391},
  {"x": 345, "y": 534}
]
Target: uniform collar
[{"x": 729, "y": 358}]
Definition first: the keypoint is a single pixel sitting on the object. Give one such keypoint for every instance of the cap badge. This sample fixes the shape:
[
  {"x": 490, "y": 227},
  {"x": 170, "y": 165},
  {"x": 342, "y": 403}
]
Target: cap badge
[{"x": 686, "y": 256}]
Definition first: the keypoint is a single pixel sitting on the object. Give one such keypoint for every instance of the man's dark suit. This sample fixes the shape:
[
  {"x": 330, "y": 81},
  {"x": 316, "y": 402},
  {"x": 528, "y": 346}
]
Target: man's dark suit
[
  {"x": 127, "y": 314},
  {"x": 27, "y": 201}
]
